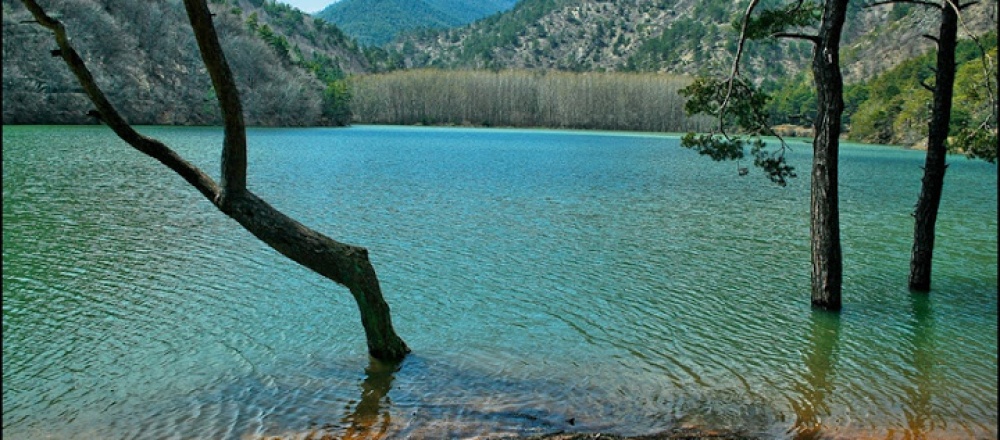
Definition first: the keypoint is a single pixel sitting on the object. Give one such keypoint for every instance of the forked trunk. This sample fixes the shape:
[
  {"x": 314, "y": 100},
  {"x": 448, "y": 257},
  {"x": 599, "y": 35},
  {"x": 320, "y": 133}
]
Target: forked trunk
[{"x": 344, "y": 264}]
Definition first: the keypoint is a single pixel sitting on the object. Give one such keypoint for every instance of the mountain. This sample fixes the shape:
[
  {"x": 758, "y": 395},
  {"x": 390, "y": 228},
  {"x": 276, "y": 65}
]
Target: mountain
[
  {"x": 292, "y": 68},
  {"x": 675, "y": 36},
  {"x": 376, "y": 22},
  {"x": 145, "y": 57}
]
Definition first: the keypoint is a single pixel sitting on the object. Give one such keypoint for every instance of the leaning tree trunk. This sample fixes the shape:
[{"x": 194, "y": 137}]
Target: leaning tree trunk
[
  {"x": 926, "y": 209},
  {"x": 827, "y": 265},
  {"x": 344, "y": 264}
]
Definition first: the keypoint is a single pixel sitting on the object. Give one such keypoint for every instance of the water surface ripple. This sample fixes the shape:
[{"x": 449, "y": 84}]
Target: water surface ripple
[{"x": 545, "y": 280}]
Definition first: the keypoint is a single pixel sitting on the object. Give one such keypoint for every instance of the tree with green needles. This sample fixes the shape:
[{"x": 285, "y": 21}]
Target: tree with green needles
[{"x": 738, "y": 106}]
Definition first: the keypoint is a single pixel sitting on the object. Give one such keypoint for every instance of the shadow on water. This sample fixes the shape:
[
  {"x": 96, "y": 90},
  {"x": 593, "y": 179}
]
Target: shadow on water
[{"x": 824, "y": 334}]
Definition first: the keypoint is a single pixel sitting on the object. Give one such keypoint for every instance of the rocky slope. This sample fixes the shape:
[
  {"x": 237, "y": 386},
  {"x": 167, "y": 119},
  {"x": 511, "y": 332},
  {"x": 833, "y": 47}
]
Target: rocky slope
[
  {"x": 676, "y": 36},
  {"x": 145, "y": 57}
]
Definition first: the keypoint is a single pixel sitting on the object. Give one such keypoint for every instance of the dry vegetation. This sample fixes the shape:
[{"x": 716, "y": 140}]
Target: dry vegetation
[{"x": 603, "y": 101}]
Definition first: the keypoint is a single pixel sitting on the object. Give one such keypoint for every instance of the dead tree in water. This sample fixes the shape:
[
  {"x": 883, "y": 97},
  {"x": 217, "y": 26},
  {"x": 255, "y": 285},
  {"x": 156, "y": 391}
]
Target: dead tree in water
[{"x": 342, "y": 263}]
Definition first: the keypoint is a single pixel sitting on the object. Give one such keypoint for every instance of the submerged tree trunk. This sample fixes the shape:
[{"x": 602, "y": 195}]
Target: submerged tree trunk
[
  {"x": 827, "y": 264},
  {"x": 344, "y": 264},
  {"x": 926, "y": 210}
]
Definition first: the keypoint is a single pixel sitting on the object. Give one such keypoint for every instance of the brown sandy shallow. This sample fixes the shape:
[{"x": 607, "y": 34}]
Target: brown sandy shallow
[{"x": 674, "y": 434}]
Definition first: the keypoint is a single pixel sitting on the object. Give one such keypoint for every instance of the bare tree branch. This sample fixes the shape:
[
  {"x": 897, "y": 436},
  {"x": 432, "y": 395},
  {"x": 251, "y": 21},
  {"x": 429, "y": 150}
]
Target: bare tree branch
[
  {"x": 151, "y": 147},
  {"x": 344, "y": 264},
  {"x": 796, "y": 36},
  {"x": 735, "y": 71},
  {"x": 912, "y": 2},
  {"x": 985, "y": 58}
]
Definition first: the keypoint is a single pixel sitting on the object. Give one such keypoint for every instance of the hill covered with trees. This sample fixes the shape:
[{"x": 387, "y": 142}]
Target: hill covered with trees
[
  {"x": 670, "y": 36},
  {"x": 885, "y": 53},
  {"x": 300, "y": 70}
]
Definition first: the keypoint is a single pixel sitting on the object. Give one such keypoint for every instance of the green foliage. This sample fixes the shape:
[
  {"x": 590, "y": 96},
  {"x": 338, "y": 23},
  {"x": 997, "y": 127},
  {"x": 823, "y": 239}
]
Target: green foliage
[
  {"x": 974, "y": 118},
  {"x": 739, "y": 106},
  {"x": 769, "y": 22},
  {"x": 277, "y": 41},
  {"x": 793, "y": 100},
  {"x": 718, "y": 148},
  {"x": 337, "y": 103},
  {"x": 684, "y": 34},
  {"x": 324, "y": 68},
  {"x": 253, "y": 22},
  {"x": 978, "y": 143},
  {"x": 872, "y": 122},
  {"x": 772, "y": 163},
  {"x": 894, "y": 108}
]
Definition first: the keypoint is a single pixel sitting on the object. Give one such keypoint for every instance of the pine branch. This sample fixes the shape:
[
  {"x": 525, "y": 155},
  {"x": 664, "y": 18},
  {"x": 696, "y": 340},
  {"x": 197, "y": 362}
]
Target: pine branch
[{"x": 734, "y": 72}]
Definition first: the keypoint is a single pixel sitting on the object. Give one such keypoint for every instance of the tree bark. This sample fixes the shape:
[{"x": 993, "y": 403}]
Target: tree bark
[
  {"x": 344, "y": 264},
  {"x": 929, "y": 201},
  {"x": 827, "y": 264}
]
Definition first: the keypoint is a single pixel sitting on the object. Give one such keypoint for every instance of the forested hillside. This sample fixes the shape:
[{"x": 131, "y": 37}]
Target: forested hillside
[
  {"x": 295, "y": 70},
  {"x": 893, "y": 107},
  {"x": 376, "y": 22},
  {"x": 290, "y": 67},
  {"x": 884, "y": 59}
]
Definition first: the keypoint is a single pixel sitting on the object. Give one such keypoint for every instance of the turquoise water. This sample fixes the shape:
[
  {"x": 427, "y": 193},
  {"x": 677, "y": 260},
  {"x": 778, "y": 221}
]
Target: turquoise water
[{"x": 545, "y": 281}]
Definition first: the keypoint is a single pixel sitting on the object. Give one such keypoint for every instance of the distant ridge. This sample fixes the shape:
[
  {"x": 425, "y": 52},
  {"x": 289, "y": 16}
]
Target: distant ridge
[{"x": 376, "y": 22}]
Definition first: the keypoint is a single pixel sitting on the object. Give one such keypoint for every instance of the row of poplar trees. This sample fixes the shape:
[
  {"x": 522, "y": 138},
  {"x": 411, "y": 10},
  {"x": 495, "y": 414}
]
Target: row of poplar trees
[{"x": 592, "y": 100}]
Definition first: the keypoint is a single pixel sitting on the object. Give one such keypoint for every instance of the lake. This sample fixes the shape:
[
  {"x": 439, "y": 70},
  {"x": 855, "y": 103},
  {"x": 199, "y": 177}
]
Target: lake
[{"x": 545, "y": 280}]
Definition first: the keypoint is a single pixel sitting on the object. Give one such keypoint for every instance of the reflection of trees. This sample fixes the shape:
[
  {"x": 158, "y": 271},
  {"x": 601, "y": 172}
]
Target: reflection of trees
[
  {"x": 370, "y": 419},
  {"x": 919, "y": 408},
  {"x": 809, "y": 411}
]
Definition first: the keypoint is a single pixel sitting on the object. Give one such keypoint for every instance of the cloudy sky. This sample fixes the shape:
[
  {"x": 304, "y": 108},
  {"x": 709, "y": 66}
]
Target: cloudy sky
[{"x": 309, "y": 6}]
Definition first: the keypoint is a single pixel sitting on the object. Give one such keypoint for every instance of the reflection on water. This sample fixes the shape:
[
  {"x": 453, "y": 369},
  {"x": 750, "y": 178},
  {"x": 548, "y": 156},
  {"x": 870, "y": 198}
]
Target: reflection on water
[
  {"x": 919, "y": 373},
  {"x": 547, "y": 281},
  {"x": 811, "y": 407},
  {"x": 371, "y": 417},
  {"x": 922, "y": 376}
]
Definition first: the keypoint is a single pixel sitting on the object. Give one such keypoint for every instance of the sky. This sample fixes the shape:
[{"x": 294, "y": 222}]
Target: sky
[{"x": 309, "y": 6}]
